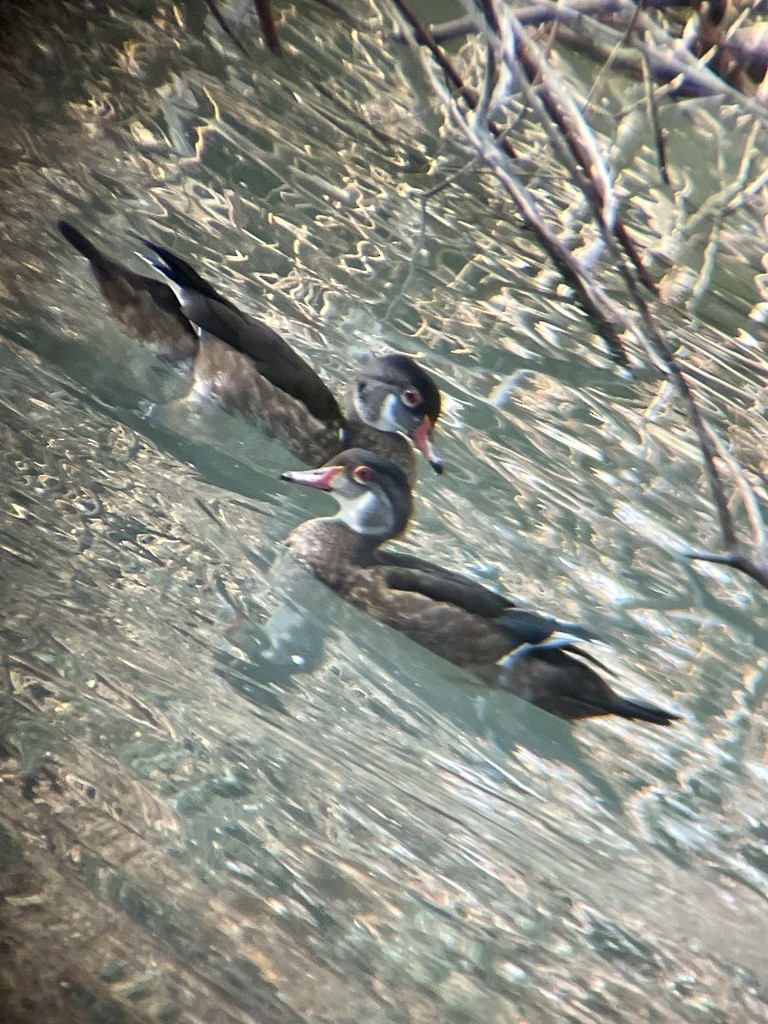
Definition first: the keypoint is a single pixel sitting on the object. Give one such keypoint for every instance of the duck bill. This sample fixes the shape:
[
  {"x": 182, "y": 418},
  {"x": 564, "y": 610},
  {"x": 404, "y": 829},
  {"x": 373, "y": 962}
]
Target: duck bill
[
  {"x": 422, "y": 438},
  {"x": 322, "y": 478}
]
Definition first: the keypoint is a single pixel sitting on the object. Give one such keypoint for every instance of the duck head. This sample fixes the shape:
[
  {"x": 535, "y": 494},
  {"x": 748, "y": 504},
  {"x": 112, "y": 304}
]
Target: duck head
[
  {"x": 393, "y": 394},
  {"x": 373, "y": 494}
]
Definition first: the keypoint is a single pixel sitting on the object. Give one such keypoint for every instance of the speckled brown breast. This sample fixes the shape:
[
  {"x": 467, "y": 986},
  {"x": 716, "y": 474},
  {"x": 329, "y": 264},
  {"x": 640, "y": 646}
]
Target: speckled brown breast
[
  {"x": 395, "y": 447},
  {"x": 232, "y": 379}
]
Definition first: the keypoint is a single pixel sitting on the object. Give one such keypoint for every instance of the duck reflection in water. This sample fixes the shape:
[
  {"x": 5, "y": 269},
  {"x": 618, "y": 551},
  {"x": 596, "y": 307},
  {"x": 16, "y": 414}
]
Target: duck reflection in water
[
  {"x": 527, "y": 653},
  {"x": 249, "y": 369}
]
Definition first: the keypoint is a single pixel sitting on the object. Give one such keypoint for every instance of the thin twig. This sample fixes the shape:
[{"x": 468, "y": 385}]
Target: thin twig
[
  {"x": 758, "y": 571},
  {"x": 653, "y": 117},
  {"x": 579, "y": 138},
  {"x": 219, "y": 18}
]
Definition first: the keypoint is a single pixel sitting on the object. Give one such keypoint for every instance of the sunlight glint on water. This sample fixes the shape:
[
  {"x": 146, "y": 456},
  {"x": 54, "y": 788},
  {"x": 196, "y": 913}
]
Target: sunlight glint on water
[{"x": 228, "y": 802}]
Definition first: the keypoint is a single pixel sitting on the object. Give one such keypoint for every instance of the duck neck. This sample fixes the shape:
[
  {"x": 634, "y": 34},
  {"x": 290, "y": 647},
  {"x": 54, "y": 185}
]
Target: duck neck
[{"x": 395, "y": 447}]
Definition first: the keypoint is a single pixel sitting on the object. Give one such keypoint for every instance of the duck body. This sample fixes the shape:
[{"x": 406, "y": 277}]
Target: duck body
[
  {"x": 214, "y": 316},
  {"x": 251, "y": 371},
  {"x": 528, "y": 653}
]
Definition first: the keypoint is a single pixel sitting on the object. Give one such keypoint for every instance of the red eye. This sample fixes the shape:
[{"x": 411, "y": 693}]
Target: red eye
[
  {"x": 362, "y": 474},
  {"x": 410, "y": 397}
]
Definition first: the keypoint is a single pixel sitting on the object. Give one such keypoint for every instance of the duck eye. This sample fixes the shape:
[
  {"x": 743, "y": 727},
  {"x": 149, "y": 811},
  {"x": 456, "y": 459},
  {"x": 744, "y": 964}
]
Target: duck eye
[
  {"x": 410, "y": 397},
  {"x": 362, "y": 474}
]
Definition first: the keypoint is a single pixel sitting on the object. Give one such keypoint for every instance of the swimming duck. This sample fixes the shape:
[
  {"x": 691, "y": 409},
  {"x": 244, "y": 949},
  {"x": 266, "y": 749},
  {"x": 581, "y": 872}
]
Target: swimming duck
[
  {"x": 253, "y": 372},
  {"x": 529, "y": 653}
]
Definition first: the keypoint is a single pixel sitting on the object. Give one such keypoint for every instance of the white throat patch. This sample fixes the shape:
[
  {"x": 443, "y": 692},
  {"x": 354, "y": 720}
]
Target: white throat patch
[
  {"x": 386, "y": 420},
  {"x": 367, "y": 515}
]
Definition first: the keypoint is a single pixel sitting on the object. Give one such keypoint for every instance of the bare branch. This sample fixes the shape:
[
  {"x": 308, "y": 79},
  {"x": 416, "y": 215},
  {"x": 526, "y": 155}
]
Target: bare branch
[
  {"x": 758, "y": 571},
  {"x": 574, "y": 143}
]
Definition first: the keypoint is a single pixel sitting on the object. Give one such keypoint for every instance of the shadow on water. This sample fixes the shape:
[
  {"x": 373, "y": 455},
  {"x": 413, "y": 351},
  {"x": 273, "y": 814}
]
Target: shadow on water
[{"x": 278, "y": 657}]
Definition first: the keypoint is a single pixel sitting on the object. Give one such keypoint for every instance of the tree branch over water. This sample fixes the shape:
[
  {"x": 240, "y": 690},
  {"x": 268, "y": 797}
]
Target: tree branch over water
[{"x": 517, "y": 70}]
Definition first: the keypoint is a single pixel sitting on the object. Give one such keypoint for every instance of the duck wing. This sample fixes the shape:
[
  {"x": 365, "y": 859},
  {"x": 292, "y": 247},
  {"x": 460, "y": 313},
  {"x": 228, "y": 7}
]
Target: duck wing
[
  {"x": 523, "y": 627},
  {"x": 273, "y": 357}
]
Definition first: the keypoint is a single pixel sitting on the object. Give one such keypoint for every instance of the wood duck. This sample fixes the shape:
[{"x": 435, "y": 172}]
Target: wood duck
[
  {"x": 529, "y": 653},
  {"x": 253, "y": 372}
]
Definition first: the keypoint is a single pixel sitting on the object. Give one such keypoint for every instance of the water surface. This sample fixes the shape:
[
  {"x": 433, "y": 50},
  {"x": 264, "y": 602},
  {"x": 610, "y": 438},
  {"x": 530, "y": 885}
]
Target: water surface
[{"x": 229, "y": 798}]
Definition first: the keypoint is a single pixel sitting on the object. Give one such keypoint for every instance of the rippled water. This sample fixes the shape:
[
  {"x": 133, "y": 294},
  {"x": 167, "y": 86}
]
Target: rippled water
[{"x": 223, "y": 803}]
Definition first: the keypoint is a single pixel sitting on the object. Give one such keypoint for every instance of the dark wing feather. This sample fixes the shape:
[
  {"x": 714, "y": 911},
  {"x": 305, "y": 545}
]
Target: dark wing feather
[
  {"x": 273, "y": 356},
  {"x": 184, "y": 274},
  {"x": 520, "y": 624},
  {"x": 409, "y": 572},
  {"x": 107, "y": 271}
]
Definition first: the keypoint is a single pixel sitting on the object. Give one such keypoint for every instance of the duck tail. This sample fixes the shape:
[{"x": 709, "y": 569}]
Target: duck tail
[
  {"x": 625, "y": 707},
  {"x": 181, "y": 273},
  {"x": 83, "y": 245}
]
